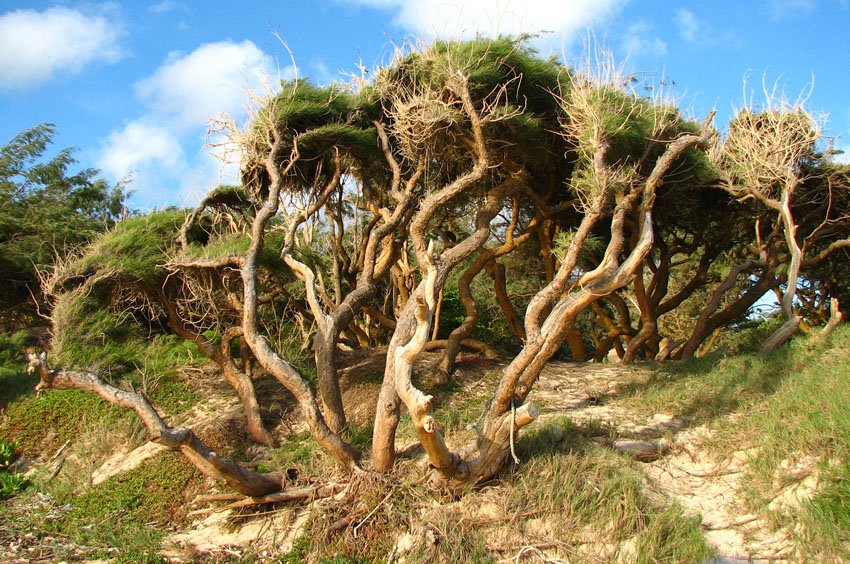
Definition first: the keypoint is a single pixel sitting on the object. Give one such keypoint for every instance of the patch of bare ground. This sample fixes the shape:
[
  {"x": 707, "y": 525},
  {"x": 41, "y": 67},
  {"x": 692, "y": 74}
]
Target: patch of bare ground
[
  {"x": 264, "y": 534},
  {"x": 713, "y": 488},
  {"x": 584, "y": 393},
  {"x": 682, "y": 467}
]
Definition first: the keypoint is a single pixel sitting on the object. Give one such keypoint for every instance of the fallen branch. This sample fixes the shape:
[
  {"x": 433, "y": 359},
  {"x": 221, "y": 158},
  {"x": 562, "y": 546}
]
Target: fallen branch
[
  {"x": 730, "y": 525},
  {"x": 207, "y": 498},
  {"x": 313, "y": 493}
]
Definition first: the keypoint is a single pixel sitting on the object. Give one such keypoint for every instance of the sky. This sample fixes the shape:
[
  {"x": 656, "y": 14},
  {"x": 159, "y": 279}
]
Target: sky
[{"x": 135, "y": 86}]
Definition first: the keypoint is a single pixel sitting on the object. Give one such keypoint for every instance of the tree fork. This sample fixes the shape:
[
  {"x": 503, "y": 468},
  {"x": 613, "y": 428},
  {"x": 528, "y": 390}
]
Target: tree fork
[{"x": 346, "y": 454}]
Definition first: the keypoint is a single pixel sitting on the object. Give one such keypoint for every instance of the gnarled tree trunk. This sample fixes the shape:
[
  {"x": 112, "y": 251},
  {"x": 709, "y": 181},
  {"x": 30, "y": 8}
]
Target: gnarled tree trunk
[{"x": 241, "y": 479}]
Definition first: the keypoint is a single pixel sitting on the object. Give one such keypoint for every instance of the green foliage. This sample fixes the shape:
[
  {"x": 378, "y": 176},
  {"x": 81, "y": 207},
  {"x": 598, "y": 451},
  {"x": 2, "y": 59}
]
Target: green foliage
[
  {"x": 591, "y": 250},
  {"x": 45, "y": 211},
  {"x": 452, "y": 312},
  {"x": 504, "y": 74},
  {"x": 42, "y": 423},
  {"x": 14, "y": 380},
  {"x": 133, "y": 511},
  {"x": 7, "y": 453},
  {"x": 236, "y": 244},
  {"x": 133, "y": 252},
  {"x": 11, "y": 347},
  {"x": 89, "y": 336},
  {"x": 315, "y": 119},
  {"x": 159, "y": 375},
  {"x": 11, "y": 483},
  {"x": 748, "y": 334},
  {"x": 488, "y": 63}
]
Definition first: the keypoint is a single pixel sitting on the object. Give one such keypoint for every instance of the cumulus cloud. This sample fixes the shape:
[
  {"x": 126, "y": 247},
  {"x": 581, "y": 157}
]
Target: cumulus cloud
[
  {"x": 138, "y": 145},
  {"x": 36, "y": 46},
  {"x": 639, "y": 41},
  {"x": 687, "y": 24},
  {"x": 160, "y": 149},
  {"x": 193, "y": 88},
  {"x": 467, "y": 18}
]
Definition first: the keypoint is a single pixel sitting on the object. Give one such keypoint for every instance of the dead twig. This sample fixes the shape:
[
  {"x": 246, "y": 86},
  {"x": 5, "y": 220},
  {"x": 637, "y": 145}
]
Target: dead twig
[
  {"x": 730, "y": 525},
  {"x": 369, "y": 516},
  {"x": 206, "y": 498}
]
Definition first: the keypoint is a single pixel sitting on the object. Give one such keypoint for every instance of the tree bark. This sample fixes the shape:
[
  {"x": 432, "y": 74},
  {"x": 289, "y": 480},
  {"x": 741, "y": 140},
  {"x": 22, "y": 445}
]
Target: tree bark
[
  {"x": 241, "y": 479},
  {"x": 346, "y": 454},
  {"x": 238, "y": 379}
]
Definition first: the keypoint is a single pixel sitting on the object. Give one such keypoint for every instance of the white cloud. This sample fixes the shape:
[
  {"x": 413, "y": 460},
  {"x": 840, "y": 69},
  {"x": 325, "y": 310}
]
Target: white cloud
[
  {"x": 167, "y": 6},
  {"x": 638, "y": 41},
  {"x": 212, "y": 79},
  {"x": 466, "y": 18},
  {"x": 137, "y": 146},
  {"x": 782, "y": 8},
  {"x": 36, "y": 46},
  {"x": 688, "y": 24},
  {"x": 162, "y": 147}
]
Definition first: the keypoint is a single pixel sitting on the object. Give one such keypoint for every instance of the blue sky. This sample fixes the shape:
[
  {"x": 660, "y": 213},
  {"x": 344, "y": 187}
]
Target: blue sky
[{"x": 133, "y": 85}]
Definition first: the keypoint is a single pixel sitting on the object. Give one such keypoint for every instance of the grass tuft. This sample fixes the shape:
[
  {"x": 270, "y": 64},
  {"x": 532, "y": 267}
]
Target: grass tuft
[{"x": 791, "y": 405}]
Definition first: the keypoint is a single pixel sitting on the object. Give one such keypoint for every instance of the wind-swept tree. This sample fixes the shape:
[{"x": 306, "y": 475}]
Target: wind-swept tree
[{"x": 360, "y": 210}]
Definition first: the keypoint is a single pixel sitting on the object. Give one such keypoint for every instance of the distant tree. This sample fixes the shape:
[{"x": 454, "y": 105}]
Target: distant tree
[{"x": 46, "y": 210}]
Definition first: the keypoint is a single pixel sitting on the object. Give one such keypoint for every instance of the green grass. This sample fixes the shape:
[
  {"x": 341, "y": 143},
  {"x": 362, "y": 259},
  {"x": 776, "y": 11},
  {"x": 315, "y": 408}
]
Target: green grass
[
  {"x": 791, "y": 405},
  {"x": 588, "y": 492},
  {"x": 301, "y": 453},
  {"x": 826, "y": 517},
  {"x": 705, "y": 388},
  {"x": 127, "y": 516}
]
